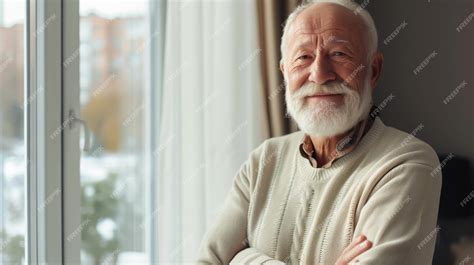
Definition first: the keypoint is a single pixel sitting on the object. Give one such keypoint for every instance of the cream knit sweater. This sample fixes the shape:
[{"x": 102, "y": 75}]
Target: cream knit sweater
[{"x": 282, "y": 210}]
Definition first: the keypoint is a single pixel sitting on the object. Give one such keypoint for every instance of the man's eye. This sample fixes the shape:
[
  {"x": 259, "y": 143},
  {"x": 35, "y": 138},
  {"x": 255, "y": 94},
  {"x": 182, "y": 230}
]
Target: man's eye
[
  {"x": 304, "y": 57},
  {"x": 338, "y": 54}
]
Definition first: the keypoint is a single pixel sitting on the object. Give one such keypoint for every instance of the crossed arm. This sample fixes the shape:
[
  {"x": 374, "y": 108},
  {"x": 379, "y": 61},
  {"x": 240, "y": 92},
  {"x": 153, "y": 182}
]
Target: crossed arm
[
  {"x": 403, "y": 239},
  {"x": 348, "y": 255}
]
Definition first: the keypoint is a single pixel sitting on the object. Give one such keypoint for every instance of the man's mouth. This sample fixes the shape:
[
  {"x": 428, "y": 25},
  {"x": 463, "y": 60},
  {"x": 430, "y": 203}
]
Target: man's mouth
[{"x": 325, "y": 96}]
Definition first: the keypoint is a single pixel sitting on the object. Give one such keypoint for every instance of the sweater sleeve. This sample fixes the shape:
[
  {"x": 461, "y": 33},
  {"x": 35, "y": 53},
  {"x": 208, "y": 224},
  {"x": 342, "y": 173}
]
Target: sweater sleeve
[
  {"x": 400, "y": 216},
  {"x": 227, "y": 234},
  {"x": 254, "y": 256},
  {"x": 226, "y": 240}
]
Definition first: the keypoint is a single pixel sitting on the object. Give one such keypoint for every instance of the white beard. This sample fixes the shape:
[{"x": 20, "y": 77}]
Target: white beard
[{"x": 325, "y": 118}]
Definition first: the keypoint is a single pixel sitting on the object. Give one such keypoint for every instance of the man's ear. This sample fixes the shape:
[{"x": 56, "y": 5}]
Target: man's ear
[
  {"x": 282, "y": 67},
  {"x": 376, "y": 66}
]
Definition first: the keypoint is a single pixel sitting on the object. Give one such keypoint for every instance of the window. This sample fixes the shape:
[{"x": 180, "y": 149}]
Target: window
[
  {"x": 12, "y": 133},
  {"x": 85, "y": 173},
  {"x": 86, "y": 61},
  {"x": 113, "y": 96}
]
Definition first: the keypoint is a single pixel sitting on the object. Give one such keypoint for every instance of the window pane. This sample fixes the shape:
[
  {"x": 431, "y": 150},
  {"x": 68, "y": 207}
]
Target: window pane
[
  {"x": 12, "y": 141},
  {"x": 113, "y": 39}
]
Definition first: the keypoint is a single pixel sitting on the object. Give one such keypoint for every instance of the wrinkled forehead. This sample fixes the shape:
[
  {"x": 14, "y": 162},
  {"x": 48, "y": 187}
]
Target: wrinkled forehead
[{"x": 329, "y": 20}]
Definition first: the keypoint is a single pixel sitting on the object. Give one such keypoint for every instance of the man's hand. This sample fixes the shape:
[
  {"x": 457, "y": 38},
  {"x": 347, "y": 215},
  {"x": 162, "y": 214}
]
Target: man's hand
[{"x": 357, "y": 247}]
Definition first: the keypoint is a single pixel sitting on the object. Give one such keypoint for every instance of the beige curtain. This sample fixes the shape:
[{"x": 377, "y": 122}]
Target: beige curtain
[{"x": 271, "y": 16}]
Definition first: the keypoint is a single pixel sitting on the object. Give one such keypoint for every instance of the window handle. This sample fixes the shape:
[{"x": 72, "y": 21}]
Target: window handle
[{"x": 73, "y": 119}]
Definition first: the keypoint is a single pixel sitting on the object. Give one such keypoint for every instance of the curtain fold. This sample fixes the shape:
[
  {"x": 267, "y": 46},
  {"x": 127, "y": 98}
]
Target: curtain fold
[
  {"x": 211, "y": 117},
  {"x": 271, "y": 18}
]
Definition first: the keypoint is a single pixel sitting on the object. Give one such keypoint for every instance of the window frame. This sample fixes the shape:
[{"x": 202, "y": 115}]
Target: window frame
[
  {"x": 154, "y": 80},
  {"x": 70, "y": 42},
  {"x": 43, "y": 77}
]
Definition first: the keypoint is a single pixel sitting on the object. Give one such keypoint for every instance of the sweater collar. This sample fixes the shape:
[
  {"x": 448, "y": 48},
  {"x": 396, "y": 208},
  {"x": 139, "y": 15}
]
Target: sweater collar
[{"x": 343, "y": 147}]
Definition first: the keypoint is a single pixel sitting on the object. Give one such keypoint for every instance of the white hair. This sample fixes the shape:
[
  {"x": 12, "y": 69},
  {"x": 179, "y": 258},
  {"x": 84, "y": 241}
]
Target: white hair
[{"x": 349, "y": 4}]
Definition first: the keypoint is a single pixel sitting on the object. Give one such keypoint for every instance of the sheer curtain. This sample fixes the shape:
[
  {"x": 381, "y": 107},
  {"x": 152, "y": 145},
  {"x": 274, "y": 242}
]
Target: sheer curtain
[{"x": 212, "y": 116}]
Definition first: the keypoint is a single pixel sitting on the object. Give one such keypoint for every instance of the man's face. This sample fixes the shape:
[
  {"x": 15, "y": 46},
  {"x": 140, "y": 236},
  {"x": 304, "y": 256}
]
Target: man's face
[{"x": 326, "y": 69}]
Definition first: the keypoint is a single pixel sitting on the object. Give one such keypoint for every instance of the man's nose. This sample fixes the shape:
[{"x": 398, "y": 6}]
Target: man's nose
[{"x": 321, "y": 70}]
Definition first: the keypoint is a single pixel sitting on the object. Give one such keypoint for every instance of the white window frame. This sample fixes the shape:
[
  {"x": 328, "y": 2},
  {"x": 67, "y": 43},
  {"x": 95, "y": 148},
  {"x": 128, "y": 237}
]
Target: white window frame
[
  {"x": 71, "y": 150},
  {"x": 154, "y": 77},
  {"x": 43, "y": 117}
]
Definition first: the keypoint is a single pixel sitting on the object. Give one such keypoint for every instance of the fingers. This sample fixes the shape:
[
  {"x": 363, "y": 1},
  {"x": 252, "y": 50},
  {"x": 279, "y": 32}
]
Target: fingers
[
  {"x": 357, "y": 241},
  {"x": 355, "y": 248}
]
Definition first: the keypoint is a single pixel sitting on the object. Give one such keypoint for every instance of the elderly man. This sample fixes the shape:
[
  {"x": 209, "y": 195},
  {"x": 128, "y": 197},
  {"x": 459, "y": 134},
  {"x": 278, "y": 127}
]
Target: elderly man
[{"x": 344, "y": 189}]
